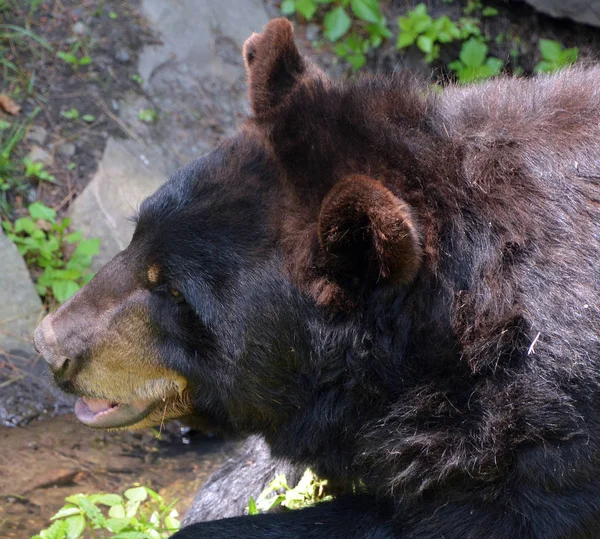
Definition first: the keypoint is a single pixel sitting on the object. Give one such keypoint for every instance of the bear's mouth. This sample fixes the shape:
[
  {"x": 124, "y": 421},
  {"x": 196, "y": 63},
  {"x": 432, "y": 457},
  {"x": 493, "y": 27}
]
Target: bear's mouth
[{"x": 107, "y": 414}]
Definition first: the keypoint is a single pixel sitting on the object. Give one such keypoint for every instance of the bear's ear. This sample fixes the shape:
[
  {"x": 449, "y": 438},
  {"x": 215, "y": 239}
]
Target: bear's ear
[
  {"x": 368, "y": 236},
  {"x": 274, "y": 65}
]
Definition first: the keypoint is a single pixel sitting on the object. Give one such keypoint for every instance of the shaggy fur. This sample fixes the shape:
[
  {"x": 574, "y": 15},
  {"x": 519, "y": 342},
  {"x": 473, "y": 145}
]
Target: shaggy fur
[{"x": 398, "y": 288}]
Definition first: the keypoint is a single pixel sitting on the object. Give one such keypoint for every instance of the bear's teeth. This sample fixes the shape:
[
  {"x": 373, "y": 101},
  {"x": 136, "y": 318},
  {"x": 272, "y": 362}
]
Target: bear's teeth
[{"x": 98, "y": 405}]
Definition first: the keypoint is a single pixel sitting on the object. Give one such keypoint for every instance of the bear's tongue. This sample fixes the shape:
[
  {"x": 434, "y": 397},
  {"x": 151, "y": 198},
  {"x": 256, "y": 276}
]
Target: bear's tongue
[{"x": 106, "y": 414}]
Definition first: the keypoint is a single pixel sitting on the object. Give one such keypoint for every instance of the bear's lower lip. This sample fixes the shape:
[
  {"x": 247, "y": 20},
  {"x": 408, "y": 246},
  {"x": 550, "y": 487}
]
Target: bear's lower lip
[{"x": 105, "y": 414}]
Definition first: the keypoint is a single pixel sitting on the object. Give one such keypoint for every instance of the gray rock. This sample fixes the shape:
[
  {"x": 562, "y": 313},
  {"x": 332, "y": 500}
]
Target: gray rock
[
  {"x": 39, "y": 155},
  {"x": 583, "y": 11},
  {"x": 37, "y": 134},
  {"x": 66, "y": 150},
  {"x": 127, "y": 173},
  {"x": 313, "y": 32},
  {"x": 122, "y": 56},
  {"x": 80, "y": 28},
  {"x": 20, "y": 305}
]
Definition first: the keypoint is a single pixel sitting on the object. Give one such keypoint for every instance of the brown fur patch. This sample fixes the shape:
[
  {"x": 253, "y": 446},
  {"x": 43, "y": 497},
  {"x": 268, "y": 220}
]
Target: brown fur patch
[{"x": 153, "y": 274}]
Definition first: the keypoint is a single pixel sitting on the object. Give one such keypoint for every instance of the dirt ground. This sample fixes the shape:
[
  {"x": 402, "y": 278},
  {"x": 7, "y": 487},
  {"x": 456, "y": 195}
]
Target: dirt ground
[{"x": 111, "y": 33}]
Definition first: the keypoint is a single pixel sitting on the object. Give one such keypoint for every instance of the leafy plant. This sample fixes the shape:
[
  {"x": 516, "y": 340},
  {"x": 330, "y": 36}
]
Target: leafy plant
[
  {"x": 555, "y": 56},
  {"x": 71, "y": 114},
  {"x": 418, "y": 28},
  {"x": 35, "y": 169},
  {"x": 309, "y": 491},
  {"x": 72, "y": 58},
  {"x": 60, "y": 259},
  {"x": 361, "y": 21},
  {"x": 148, "y": 116},
  {"x": 140, "y": 513},
  {"x": 474, "y": 63}
]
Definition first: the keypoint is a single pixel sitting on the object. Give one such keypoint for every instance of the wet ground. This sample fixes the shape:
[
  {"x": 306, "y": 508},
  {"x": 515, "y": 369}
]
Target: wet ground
[{"x": 48, "y": 460}]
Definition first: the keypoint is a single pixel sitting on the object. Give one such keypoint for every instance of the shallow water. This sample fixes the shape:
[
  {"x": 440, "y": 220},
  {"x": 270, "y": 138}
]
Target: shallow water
[{"x": 44, "y": 462}]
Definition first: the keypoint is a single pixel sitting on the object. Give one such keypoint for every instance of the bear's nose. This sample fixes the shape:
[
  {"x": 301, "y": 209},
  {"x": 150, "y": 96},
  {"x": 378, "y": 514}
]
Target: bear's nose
[{"x": 45, "y": 342}]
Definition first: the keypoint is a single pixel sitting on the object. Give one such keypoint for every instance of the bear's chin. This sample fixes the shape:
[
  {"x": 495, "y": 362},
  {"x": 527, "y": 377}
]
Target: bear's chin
[{"x": 104, "y": 414}]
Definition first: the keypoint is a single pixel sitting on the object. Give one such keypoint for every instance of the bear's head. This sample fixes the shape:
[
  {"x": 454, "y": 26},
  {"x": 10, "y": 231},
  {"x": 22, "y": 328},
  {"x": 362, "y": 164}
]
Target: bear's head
[{"x": 253, "y": 270}]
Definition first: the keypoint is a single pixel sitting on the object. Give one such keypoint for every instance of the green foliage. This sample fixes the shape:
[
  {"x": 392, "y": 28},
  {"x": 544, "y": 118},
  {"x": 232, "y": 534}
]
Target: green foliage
[
  {"x": 359, "y": 22},
  {"x": 71, "y": 114},
  {"x": 148, "y": 116},
  {"x": 555, "y": 56},
  {"x": 136, "y": 77},
  {"x": 309, "y": 491},
  {"x": 45, "y": 244},
  {"x": 72, "y": 58},
  {"x": 474, "y": 63},
  {"x": 34, "y": 169},
  {"x": 140, "y": 513}
]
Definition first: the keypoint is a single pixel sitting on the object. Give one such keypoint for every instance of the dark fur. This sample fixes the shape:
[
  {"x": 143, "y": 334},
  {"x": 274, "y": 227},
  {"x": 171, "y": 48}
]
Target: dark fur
[{"x": 461, "y": 386}]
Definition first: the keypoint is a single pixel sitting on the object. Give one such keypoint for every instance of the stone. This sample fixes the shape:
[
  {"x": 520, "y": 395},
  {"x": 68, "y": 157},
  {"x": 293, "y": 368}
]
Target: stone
[
  {"x": 39, "y": 155},
  {"x": 37, "y": 134},
  {"x": 122, "y": 56},
  {"x": 20, "y": 305},
  {"x": 313, "y": 32},
  {"x": 127, "y": 173},
  {"x": 66, "y": 150},
  {"x": 582, "y": 11},
  {"x": 80, "y": 28}
]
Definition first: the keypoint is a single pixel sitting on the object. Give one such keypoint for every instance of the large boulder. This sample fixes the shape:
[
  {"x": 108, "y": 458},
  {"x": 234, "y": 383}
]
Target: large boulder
[{"x": 583, "y": 11}]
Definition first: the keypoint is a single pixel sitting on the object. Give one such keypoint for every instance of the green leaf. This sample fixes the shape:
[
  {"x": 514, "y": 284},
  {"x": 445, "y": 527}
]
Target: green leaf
[
  {"x": 356, "y": 61},
  {"x": 173, "y": 524},
  {"x": 62, "y": 291},
  {"x": 66, "y": 511},
  {"x": 252, "y": 510},
  {"x": 4, "y": 125},
  {"x": 37, "y": 210},
  {"x": 307, "y": 8},
  {"x": 550, "y": 49},
  {"x": 367, "y": 10},
  {"x": 473, "y": 53},
  {"x": 84, "y": 61},
  {"x": 89, "y": 118},
  {"x": 337, "y": 23},
  {"x": 117, "y": 511},
  {"x": 107, "y": 499},
  {"x": 425, "y": 44},
  {"x": 25, "y": 224},
  {"x": 489, "y": 11},
  {"x": 405, "y": 40},
  {"x": 75, "y": 526},
  {"x": 132, "y": 535},
  {"x": 67, "y": 57},
  {"x": 71, "y": 114},
  {"x": 288, "y": 7},
  {"x": 136, "y": 494},
  {"x": 569, "y": 56},
  {"x": 89, "y": 247},
  {"x": 58, "y": 530},
  {"x": 116, "y": 525},
  {"x": 74, "y": 237}
]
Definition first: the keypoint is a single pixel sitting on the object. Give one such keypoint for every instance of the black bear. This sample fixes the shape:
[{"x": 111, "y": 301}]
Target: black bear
[{"x": 395, "y": 286}]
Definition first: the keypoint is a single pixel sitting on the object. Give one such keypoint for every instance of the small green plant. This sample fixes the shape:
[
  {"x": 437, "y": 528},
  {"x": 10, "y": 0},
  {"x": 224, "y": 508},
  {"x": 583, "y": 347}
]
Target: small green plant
[
  {"x": 113, "y": 15},
  {"x": 88, "y": 118},
  {"x": 555, "y": 56},
  {"x": 59, "y": 259},
  {"x": 148, "y": 116},
  {"x": 309, "y": 491},
  {"x": 136, "y": 77},
  {"x": 474, "y": 63},
  {"x": 361, "y": 21},
  {"x": 71, "y": 114},
  {"x": 140, "y": 513},
  {"x": 35, "y": 169},
  {"x": 72, "y": 58},
  {"x": 419, "y": 28}
]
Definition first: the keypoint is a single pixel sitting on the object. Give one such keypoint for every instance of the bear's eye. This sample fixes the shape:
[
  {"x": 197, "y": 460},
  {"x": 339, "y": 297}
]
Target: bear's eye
[{"x": 177, "y": 295}]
